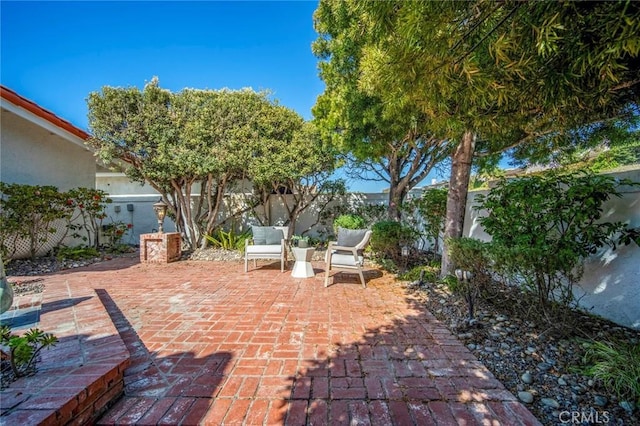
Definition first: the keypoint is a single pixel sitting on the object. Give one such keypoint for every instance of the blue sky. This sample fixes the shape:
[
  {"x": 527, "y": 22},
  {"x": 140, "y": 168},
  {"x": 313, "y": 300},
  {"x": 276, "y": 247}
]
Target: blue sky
[{"x": 56, "y": 53}]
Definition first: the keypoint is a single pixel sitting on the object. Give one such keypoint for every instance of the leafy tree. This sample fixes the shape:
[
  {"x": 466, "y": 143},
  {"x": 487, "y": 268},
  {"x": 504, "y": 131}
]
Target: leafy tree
[
  {"x": 191, "y": 146},
  {"x": 507, "y": 76},
  {"x": 383, "y": 139},
  {"x": 295, "y": 168}
]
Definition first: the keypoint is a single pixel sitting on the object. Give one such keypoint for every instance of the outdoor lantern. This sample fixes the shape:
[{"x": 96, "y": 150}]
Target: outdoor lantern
[
  {"x": 161, "y": 211},
  {"x": 405, "y": 251}
]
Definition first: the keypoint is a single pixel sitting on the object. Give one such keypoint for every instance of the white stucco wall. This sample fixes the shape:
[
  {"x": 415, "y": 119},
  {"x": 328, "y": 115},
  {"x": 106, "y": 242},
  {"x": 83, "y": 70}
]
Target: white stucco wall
[{"x": 36, "y": 155}]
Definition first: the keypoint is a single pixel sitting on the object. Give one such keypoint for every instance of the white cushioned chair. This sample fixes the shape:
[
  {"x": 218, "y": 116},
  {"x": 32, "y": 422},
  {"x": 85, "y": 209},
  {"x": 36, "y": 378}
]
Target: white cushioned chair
[
  {"x": 347, "y": 252},
  {"x": 268, "y": 242}
]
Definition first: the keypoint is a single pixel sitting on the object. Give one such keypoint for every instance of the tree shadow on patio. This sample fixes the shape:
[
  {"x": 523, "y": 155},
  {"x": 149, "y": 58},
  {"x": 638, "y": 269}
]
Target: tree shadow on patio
[
  {"x": 410, "y": 371},
  {"x": 172, "y": 389}
]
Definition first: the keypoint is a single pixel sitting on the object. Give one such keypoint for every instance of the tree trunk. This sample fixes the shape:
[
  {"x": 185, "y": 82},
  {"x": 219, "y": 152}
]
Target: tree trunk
[
  {"x": 461, "y": 160},
  {"x": 397, "y": 194}
]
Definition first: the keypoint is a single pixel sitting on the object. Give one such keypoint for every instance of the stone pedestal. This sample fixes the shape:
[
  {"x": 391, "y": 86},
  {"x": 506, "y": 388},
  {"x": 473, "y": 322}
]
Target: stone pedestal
[{"x": 160, "y": 247}]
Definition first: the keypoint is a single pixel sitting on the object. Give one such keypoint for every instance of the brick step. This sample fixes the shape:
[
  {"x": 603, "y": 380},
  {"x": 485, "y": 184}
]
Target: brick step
[{"x": 80, "y": 377}]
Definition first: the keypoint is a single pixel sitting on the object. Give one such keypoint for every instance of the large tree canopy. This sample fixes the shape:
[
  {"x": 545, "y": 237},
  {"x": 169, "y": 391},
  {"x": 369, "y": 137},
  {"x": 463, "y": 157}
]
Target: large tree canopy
[
  {"x": 494, "y": 76},
  {"x": 193, "y": 145},
  {"x": 382, "y": 138}
]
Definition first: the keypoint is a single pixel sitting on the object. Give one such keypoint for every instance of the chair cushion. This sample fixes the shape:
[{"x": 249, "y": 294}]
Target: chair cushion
[
  {"x": 265, "y": 249},
  {"x": 274, "y": 236},
  {"x": 339, "y": 259},
  {"x": 350, "y": 237},
  {"x": 259, "y": 234},
  {"x": 266, "y": 235}
]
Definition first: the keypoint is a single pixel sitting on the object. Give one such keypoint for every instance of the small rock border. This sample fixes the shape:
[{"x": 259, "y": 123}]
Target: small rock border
[{"x": 530, "y": 362}]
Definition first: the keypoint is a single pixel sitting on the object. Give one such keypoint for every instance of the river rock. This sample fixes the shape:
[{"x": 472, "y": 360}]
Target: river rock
[
  {"x": 525, "y": 397},
  {"x": 550, "y": 402}
]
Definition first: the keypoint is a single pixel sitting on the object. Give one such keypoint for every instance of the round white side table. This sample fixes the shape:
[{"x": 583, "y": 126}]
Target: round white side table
[{"x": 302, "y": 268}]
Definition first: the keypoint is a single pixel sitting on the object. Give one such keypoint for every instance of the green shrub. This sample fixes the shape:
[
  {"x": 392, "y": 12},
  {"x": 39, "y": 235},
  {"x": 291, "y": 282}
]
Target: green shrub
[
  {"x": 468, "y": 254},
  {"x": 388, "y": 238},
  {"x": 76, "y": 253},
  {"x": 228, "y": 240},
  {"x": 451, "y": 282},
  {"x": 430, "y": 274},
  {"x": 89, "y": 207},
  {"x": 349, "y": 221},
  {"x": 616, "y": 366},
  {"x": 432, "y": 207},
  {"x": 544, "y": 226},
  {"x": 29, "y": 212},
  {"x": 471, "y": 255}
]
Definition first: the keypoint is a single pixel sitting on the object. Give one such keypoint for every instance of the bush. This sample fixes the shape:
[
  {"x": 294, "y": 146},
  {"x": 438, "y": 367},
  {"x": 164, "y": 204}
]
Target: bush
[
  {"x": 29, "y": 212},
  {"x": 471, "y": 255},
  {"x": 468, "y": 254},
  {"x": 430, "y": 274},
  {"x": 24, "y": 349},
  {"x": 77, "y": 253},
  {"x": 349, "y": 221},
  {"x": 432, "y": 207},
  {"x": 544, "y": 226},
  {"x": 388, "y": 238},
  {"x": 90, "y": 210}
]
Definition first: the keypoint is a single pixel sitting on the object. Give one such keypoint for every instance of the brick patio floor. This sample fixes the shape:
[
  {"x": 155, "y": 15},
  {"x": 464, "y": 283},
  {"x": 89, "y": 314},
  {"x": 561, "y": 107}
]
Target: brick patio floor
[{"x": 212, "y": 345}]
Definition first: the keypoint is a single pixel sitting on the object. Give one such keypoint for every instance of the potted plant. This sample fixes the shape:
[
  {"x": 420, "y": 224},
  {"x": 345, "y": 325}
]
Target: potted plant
[{"x": 300, "y": 241}]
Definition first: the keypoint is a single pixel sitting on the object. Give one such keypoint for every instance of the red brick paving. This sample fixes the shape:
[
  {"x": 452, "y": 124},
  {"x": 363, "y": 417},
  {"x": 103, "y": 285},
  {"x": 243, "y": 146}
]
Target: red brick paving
[{"x": 212, "y": 345}]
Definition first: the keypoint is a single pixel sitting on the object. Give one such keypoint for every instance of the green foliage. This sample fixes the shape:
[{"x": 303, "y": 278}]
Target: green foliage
[
  {"x": 212, "y": 140},
  {"x": 24, "y": 349},
  {"x": 471, "y": 255},
  {"x": 451, "y": 282},
  {"x": 432, "y": 209},
  {"x": 296, "y": 169},
  {"x": 388, "y": 238},
  {"x": 229, "y": 240},
  {"x": 29, "y": 212},
  {"x": 468, "y": 254},
  {"x": 349, "y": 221},
  {"x": 115, "y": 232},
  {"x": 616, "y": 366},
  {"x": 90, "y": 205},
  {"x": 76, "y": 253},
  {"x": 300, "y": 240},
  {"x": 543, "y": 226},
  {"x": 430, "y": 274}
]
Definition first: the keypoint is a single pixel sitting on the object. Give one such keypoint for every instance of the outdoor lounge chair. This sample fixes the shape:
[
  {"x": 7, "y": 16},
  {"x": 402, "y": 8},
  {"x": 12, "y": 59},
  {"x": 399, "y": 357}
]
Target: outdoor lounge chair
[
  {"x": 347, "y": 252},
  {"x": 268, "y": 242}
]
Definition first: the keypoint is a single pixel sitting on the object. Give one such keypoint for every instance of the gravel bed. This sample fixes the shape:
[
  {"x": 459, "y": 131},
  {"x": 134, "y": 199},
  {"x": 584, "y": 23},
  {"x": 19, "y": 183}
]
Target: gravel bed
[{"x": 535, "y": 365}]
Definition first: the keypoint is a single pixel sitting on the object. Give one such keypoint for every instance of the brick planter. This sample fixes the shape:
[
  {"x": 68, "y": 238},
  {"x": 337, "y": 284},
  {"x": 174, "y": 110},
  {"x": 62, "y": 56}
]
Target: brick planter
[{"x": 160, "y": 247}]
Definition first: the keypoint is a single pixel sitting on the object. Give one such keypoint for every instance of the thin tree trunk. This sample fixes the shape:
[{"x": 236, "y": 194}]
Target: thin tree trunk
[{"x": 461, "y": 160}]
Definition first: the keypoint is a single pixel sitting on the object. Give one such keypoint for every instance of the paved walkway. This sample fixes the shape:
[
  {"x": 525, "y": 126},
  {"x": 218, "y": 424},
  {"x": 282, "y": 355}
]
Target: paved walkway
[{"x": 213, "y": 345}]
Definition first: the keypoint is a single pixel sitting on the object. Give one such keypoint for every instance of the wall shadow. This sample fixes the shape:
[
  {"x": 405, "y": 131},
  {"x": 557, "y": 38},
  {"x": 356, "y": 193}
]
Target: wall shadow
[{"x": 174, "y": 389}]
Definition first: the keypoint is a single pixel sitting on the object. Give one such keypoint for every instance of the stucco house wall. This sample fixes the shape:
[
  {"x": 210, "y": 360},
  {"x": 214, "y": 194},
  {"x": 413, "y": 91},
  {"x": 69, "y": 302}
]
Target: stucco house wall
[
  {"x": 39, "y": 148},
  {"x": 36, "y": 150}
]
